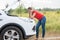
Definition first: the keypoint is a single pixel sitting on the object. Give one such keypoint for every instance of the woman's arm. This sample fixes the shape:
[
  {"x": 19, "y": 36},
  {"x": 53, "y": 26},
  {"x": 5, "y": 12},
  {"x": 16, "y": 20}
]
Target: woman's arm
[{"x": 32, "y": 16}]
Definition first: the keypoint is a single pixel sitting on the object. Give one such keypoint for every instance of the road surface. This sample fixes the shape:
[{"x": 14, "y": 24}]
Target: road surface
[{"x": 48, "y": 36}]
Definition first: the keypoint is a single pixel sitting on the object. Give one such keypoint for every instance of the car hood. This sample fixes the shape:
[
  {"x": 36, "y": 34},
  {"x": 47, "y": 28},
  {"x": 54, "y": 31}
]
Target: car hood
[{"x": 26, "y": 19}]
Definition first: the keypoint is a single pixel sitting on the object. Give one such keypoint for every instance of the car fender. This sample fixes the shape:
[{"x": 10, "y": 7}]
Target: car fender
[{"x": 14, "y": 24}]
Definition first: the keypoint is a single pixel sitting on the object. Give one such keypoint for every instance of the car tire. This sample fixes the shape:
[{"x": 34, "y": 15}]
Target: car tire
[{"x": 12, "y": 33}]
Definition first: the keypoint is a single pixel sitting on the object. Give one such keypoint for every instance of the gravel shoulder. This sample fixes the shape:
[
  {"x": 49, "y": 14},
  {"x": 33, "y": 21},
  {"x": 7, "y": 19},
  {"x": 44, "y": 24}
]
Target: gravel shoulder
[{"x": 48, "y": 36}]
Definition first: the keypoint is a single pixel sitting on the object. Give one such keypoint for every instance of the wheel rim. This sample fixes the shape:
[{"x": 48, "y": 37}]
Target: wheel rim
[{"x": 11, "y": 35}]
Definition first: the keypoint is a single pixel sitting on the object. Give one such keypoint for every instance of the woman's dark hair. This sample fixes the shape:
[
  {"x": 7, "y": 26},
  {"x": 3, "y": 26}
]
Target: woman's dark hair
[{"x": 30, "y": 8}]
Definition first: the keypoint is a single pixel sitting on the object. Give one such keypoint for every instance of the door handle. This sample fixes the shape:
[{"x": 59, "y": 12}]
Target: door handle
[{"x": 1, "y": 19}]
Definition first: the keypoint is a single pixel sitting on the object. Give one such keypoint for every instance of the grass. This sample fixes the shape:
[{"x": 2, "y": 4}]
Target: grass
[{"x": 53, "y": 20}]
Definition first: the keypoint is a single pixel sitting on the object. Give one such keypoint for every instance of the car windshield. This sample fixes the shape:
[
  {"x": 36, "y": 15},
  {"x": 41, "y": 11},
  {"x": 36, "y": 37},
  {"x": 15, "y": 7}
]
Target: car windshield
[{"x": 10, "y": 14}]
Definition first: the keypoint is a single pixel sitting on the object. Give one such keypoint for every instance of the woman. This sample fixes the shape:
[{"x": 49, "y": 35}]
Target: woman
[{"x": 41, "y": 21}]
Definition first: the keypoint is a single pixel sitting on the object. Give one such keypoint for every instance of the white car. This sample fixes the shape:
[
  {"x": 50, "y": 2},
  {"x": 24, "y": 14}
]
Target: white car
[{"x": 15, "y": 28}]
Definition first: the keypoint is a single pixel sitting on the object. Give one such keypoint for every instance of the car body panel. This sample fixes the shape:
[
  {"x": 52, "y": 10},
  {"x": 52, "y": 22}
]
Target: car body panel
[{"x": 26, "y": 23}]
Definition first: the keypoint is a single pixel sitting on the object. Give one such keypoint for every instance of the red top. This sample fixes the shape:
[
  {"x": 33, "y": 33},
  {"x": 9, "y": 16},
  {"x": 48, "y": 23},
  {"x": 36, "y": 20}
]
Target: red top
[{"x": 38, "y": 15}]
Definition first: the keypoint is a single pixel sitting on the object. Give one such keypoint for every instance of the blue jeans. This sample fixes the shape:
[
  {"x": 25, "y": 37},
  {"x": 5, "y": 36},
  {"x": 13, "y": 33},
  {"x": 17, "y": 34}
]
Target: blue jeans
[{"x": 41, "y": 22}]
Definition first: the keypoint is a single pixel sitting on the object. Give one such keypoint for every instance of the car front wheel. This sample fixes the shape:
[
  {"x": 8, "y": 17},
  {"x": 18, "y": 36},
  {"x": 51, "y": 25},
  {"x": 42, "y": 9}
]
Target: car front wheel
[{"x": 12, "y": 33}]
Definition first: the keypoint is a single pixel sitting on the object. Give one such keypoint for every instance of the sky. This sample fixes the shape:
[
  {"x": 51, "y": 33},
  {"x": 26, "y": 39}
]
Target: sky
[{"x": 31, "y": 3}]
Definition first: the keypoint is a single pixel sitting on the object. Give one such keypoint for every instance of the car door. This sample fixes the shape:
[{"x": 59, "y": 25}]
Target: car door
[{"x": 2, "y": 18}]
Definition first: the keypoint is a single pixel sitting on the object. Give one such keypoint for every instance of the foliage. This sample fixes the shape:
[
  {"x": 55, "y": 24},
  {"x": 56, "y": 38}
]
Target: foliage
[{"x": 48, "y": 9}]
